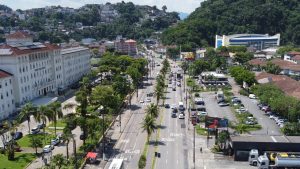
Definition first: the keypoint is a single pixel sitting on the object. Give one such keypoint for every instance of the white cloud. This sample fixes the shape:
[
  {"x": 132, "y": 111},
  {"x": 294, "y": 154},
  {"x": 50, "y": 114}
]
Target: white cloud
[{"x": 173, "y": 5}]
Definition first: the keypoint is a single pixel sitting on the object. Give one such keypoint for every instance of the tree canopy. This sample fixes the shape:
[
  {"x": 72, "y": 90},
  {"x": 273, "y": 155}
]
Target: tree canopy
[{"x": 237, "y": 16}]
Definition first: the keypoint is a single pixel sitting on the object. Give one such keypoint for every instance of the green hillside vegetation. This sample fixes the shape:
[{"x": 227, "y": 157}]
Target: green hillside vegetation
[{"x": 237, "y": 16}]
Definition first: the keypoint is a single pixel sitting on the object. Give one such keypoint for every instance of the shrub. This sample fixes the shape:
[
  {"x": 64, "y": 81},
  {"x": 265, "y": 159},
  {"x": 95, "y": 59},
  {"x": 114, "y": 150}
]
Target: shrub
[
  {"x": 197, "y": 94},
  {"x": 244, "y": 92},
  {"x": 142, "y": 162}
]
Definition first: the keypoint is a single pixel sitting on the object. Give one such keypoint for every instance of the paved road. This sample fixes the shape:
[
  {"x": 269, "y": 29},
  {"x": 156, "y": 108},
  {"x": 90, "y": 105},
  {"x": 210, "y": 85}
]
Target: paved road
[{"x": 173, "y": 144}]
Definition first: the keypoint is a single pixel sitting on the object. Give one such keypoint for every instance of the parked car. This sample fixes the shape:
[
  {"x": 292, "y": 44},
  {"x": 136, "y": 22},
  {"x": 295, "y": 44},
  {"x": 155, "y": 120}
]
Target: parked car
[
  {"x": 223, "y": 104},
  {"x": 173, "y": 115},
  {"x": 167, "y": 105},
  {"x": 148, "y": 100},
  {"x": 266, "y": 108},
  {"x": 250, "y": 122},
  {"x": 181, "y": 116},
  {"x": 252, "y": 96},
  {"x": 41, "y": 126},
  {"x": 48, "y": 148},
  {"x": 241, "y": 110},
  {"x": 18, "y": 135},
  {"x": 55, "y": 141},
  {"x": 141, "y": 101},
  {"x": 35, "y": 130},
  {"x": 173, "y": 106}
]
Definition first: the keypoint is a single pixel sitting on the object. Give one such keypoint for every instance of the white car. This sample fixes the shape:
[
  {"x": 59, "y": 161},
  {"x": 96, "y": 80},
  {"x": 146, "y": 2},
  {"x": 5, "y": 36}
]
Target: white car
[
  {"x": 148, "y": 100},
  {"x": 252, "y": 96},
  {"x": 141, "y": 101},
  {"x": 181, "y": 116},
  {"x": 55, "y": 141},
  {"x": 48, "y": 148},
  {"x": 202, "y": 113},
  {"x": 173, "y": 106}
]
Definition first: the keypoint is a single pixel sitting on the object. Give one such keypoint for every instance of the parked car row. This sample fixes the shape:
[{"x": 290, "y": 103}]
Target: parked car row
[{"x": 54, "y": 142}]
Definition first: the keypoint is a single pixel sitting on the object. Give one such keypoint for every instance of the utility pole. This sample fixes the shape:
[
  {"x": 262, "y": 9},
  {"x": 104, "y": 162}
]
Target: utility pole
[
  {"x": 120, "y": 114},
  {"x": 194, "y": 149}
]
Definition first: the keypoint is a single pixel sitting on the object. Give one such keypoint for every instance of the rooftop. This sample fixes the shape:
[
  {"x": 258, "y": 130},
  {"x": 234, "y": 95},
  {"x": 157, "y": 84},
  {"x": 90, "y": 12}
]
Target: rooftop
[
  {"x": 281, "y": 63},
  {"x": 266, "y": 138},
  {"x": 130, "y": 41},
  {"x": 4, "y": 74},
  {"x": 215, "y": 74},
  {"x": 20, "y": 49},
  {"x": 73, "y": 49}
]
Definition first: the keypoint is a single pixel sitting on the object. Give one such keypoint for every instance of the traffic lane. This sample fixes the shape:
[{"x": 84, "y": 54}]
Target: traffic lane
[
  {"x": 269, "y": 127},
  {"x": 214, "y": 110}
]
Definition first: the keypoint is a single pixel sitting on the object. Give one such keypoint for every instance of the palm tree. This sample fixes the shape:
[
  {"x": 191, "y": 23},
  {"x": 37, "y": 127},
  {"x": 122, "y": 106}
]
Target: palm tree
[
  {"x": 241, "y": 128},
  {"x": 58, "y": 160},
  {"x": 149, "y": 125},
  {"x": 152, "y": 110},
  {"x": 25, "y": 114},
  {"x": 158, "y": 92},
  {"x": 55, "y": 110},
  {"x": 43, "y": 113},
  {"x": 11, "y": 144},
  {"x": 67, "y": 136}
]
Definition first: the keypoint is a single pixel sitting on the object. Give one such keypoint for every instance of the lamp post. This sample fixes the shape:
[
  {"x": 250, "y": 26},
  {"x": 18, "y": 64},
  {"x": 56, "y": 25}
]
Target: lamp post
[{"x": 100, "y": 109}]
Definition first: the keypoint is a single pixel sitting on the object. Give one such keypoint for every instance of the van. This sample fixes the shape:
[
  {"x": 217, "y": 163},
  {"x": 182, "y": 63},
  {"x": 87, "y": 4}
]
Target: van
[{"x": 181, "y": 106}]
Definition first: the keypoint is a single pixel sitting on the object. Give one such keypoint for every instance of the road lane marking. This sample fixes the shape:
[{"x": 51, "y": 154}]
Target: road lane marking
[{"x": 166, "y": 161}]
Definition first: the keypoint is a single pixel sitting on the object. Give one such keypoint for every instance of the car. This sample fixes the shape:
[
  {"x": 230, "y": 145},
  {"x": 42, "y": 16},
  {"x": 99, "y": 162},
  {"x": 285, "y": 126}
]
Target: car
[
  {"x": 173, "y": 115},
  {"x": 252, "y": 96},
  {"x": 272, "y": 116},
  {"x": 250, "y": 122},
  {"x": 266, "y": 108},
  {"x": 241, "y": 110},
  {"x": 223, "y": 104},
  {"x": 41, "y": 126},
  {"x": 141, "y": 101},
  {"x": 175, "y": 110},
  {"x": 181, "y": 116},
  {"x": 18, "y": 135},
  {"x": 48, "y": 148},
  {"x": 170, "y": 82},
  {"x": 167, "y": 105},
  {"x": 202, "y": 113},
  {"x": 173, "y": 106},
  {"x": 174, "y": 88},
  {"x": 35, "y": 130},
  {"x": 82, "y": 136},
  {"x": 148, "y": 100},
  {"x": 55, "y": 141},
  {"x": 179, "y": 84}
]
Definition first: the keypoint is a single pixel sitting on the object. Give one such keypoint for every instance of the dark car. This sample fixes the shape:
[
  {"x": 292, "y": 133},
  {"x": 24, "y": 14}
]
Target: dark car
[
  {"x": 167, "y": 105},
  {"x": 41, "y": 126},
  {"x": 173, "y": 115},
  {"x": 35, "y": 130},
  {"x": 18, "y": 135},
  {"x": 82, "y": 136},
  {"x": 175, "y": 110}
]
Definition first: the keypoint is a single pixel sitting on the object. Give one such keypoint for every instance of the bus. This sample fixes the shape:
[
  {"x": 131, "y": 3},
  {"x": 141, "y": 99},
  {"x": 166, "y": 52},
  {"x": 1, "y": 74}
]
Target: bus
[{"x": 116, "y": 163}]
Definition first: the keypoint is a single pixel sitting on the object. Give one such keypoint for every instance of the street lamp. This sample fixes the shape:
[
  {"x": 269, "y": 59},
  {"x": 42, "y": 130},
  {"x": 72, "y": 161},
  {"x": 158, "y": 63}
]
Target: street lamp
[{"x": 100, "y": 110}]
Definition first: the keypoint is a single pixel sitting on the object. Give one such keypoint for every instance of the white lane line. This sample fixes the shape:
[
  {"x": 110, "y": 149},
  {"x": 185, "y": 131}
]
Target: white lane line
[
  {"x": 166, "y": 161},
  {"x": 177, "y": 161},
  {"x": 204, "y": 167}
]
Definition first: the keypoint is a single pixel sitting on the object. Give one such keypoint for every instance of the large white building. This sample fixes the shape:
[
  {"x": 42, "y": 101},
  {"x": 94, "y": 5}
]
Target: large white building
[
  {"x": 38, "y": 69},
  {"x": 7, "y": 101},
  {"x": 256, "y": 41}
]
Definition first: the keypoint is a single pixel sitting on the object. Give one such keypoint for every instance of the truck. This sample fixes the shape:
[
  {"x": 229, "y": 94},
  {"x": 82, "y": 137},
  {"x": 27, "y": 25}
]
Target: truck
[{"x": 274, "y": 159}]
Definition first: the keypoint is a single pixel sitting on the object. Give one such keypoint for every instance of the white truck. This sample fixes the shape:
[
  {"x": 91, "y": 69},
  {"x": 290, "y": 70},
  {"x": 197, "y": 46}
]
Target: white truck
[{"x": 274, "y": 160}]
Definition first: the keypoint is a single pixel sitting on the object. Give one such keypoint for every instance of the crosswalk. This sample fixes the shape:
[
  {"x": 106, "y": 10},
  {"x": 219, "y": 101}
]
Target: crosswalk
[{"x": 145, "y": 104}]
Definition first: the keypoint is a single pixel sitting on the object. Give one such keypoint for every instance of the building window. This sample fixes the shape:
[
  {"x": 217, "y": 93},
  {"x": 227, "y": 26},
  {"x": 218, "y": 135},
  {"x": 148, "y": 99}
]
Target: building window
[
  {"x": 5, "y": 83},
  {"x": 1, "y": 96}
]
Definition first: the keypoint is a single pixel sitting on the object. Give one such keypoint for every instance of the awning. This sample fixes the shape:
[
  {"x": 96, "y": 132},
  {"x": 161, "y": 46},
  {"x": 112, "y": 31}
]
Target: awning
[{"x": 91, "y": 155}]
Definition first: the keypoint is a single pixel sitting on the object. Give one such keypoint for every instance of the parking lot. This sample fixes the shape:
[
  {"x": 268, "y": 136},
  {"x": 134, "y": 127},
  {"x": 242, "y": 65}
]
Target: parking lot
[{"x": 269, "y": 127}]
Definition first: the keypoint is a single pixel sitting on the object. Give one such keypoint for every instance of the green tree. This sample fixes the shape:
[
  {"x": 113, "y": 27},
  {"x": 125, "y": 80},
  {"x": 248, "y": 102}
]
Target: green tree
[
  {"x": 173, "y": 53},
  {"x": 56, "y": 113},
  {"x": 121, "y": 86},
  {"x": 158, "y": 93},
  {"x": 243, "y": 57},
  {"x": 241, "y": 128},
  {"x": 152, "y": 110},
  {"x": 184, "y": 66},
  {"x": 135, "y": 76},
  {"x": 25, "y": 114},
  {"x": 272, "y": 68},
  {"x": 149, "y": 125},
  {"x": 42, "y": 115},
  {"x": 35, "y": 142},
  {"x": 66, "y": 137},
  {"x": 59, "y": 160}
]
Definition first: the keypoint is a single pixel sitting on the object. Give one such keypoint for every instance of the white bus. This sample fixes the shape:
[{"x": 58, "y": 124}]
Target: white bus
[{"x": 116, "y": 163}]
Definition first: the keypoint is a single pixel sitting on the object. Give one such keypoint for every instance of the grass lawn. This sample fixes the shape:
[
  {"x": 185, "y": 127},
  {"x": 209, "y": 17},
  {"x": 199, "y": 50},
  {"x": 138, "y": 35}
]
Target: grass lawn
[
  {"x": 59, "y": 123},
  {"x": 201, "y": 131},
  {"x": 25, "y": 141},
  {"x": 20, "y": 162}
]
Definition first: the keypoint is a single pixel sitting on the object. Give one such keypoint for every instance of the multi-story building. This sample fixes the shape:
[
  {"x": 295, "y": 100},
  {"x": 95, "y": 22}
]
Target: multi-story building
[
  {"x": 38, "y": 69},
  {"x": 256, "y": 41},
  {"x": 76, "y": 63},
  {"x": 7, "y": 101},
  {"x": 126, "y": 46}
]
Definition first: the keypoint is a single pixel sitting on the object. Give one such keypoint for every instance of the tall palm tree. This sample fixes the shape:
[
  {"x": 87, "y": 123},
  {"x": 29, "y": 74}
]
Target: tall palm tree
[
  {"x": 241, "y": 128},
  {"x": 25, "y": 114},
  {"x": 148, "y": 125},
  {"x": 158, "y": 93},
  {"x": 67, "y": 136},
  {"x": 59, "y": 160},
  {"x": 11, "y": 144},
  {"x": 152, "y": 110},
  {"x": 56, "y": 112},
  {"x": 42, "y": 115}
]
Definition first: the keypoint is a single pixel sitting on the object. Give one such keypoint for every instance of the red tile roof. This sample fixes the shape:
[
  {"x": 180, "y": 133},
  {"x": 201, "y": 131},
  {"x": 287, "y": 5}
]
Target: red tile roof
[
  {"x": 294, "y": 53},
  {"x": 283, "y": 64},
  {"x": 16, "y": 51},
  {"x": 4, "y": 74},
  {"x": 296, "y": 57},
  {"x": 18, "y": 35},
  {"x": 288, "y": 85}
]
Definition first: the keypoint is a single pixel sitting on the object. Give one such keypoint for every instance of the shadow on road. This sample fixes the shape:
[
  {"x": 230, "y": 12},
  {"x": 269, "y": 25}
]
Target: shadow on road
[
  {"x": 134, "y": 107},
  {"x": 161, "y": 127},
  {"x": 156, "y": 143}
]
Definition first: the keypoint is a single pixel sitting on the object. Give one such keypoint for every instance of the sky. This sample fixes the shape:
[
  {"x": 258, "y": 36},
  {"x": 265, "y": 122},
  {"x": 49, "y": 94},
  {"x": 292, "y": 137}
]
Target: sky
[{"x": 186, "y": 6}]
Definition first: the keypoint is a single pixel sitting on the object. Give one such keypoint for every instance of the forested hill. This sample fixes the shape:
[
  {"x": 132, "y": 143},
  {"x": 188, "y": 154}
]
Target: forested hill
[{"x": 237, "y": 16}]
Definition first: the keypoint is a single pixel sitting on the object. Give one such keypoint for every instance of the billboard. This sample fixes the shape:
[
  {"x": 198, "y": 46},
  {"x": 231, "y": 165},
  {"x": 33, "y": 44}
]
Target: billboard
[{"x": 215, "y": 122}]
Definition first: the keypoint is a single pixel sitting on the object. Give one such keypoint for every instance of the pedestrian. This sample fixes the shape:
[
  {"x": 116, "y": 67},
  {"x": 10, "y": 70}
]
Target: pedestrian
[{"x": 200, "y": 149}]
